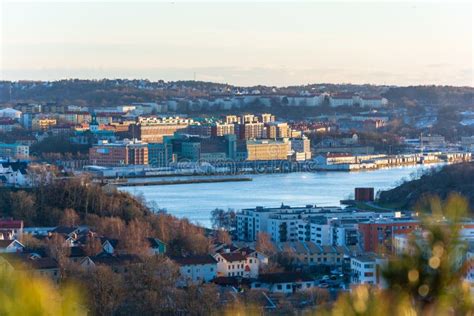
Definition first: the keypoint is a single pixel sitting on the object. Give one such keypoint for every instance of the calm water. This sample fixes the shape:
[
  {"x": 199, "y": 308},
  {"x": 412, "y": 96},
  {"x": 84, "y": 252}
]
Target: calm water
[{"x": 196, "y": 201}]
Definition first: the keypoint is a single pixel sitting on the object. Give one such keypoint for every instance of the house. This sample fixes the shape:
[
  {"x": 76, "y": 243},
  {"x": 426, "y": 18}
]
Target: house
[
  {"x": 237, "y": 264},
  {"x": 118, "y": 263},
  {"x": 11, "y": 228},
  {"x": 70, "y": 234},
  {"x": 14, "y": 174},
  {"x": 30, "y": 262},
  {"x": 77, "y": 254},
  {"x": 157, "y": 247},
  {"x": 109, "y": 245},
  {"x": 284, "y": 282},
  {"x": 66, "y": 231},
  {"x": 11, "y": 246},
  {"x": 196, "y": 269}
]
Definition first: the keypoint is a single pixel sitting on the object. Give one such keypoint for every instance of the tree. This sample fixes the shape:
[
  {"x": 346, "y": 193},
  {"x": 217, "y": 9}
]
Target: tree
[
  {"x": 58, "y": 249},
  {"x": 105, "y": 289},
  {"x": 31, "y": 242},
  {"x": 69, "y": 218},
  {"x": 25, "y": 294},
  {"x": 264, "y": 244},
  {"x": 134, "y": 238},
  {"x": 92, "y": 246},
  {"x": 23, "y": 206},
  {"x": 224, "y": 219},
  {"x": 151, "y": 287},
  {"x": 223, "y": 236},
  {"x": 428, "y": 280}
]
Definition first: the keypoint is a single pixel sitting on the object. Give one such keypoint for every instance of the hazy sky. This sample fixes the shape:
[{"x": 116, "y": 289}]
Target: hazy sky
[{"x": 273, "y": 43}]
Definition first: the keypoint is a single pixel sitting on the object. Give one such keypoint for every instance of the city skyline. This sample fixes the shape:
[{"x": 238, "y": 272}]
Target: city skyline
[{"x": 243, "y": 44}]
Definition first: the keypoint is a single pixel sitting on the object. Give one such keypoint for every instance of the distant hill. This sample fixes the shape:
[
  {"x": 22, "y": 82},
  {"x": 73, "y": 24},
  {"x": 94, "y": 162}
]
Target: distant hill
[{"x": 451, "y": 178}]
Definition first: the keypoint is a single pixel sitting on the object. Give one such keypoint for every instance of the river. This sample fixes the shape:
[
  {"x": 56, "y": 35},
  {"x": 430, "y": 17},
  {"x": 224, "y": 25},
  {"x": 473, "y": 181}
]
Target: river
[{"x": 196, "y": 201}]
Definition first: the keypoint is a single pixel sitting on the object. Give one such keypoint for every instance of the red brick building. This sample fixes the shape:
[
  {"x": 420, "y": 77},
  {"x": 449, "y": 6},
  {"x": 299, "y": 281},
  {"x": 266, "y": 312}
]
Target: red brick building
[
  {"x": 376, "y": 236},
  {"x": 119, "y": 154}
]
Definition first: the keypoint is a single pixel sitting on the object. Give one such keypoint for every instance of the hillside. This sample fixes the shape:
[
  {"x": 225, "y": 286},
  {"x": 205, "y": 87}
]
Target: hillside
[{"x": 451, "y": 178}]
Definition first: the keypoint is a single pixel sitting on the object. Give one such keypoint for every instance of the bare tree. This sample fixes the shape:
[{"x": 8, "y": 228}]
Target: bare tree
[
  {"x": 58, "y": 249},
  {"x": 69, "y": 218},
  {"x": 264, "y": 244}
]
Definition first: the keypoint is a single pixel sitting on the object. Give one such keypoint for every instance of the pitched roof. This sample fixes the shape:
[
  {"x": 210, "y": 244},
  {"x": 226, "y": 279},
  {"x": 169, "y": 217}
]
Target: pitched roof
[
  {"x": 28, "y": 261},
  {"x": 194, "y": 260},
  {"x": 234, "y": 256},
  {"x": 77, "y": 252},
  {"x": 154, "y": 242},
  {"x": 115, "y": 260},
  {"x": 7, "y": 242},
  {"x": 43, "y": 263},
  {"x": 64, "y": 230},
  {"x": 113, "y": 242},
  {"x": 11, "y": 224},
  {"x": 285, "y": 277}
]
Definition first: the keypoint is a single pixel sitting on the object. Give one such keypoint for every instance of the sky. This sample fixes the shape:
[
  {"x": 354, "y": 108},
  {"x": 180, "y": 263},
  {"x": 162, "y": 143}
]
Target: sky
[{"x": 242, "y": 43}]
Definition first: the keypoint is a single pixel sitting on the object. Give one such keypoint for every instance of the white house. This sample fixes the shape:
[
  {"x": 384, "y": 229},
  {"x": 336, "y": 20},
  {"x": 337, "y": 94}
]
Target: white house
[
  {"x": 196, "y": 269},
  {"x": 10, "y": 113},
  {"x": 11, "y": 245},
  {"x": 237, "y": 264},
  {"x": 14, "y": 175}
]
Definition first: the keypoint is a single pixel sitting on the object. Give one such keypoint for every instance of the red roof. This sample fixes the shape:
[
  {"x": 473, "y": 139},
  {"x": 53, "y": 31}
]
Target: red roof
[{"x": 11, "y": 224}]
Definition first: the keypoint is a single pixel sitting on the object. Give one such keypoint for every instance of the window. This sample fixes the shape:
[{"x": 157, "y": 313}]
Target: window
[
  {"x": 279, "y": 286},
  {"x": 288, "y": 286}
]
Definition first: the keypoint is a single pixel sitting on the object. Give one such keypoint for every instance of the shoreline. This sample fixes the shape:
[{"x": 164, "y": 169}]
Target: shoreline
[{"x": 176, "y": 182}]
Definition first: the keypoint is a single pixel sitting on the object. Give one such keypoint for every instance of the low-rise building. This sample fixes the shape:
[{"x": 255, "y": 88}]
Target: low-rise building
[
  {"x": 284, "y": 282},
  {"x": 196, "y": 269},
  {"x": 236, "y": 264},
  {"x": 14, "y": 151}
]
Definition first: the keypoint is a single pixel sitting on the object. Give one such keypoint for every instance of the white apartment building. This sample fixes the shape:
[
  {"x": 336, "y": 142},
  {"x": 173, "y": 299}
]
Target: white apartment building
[
  {"x": 365, "y": 269},
  {"x": 345, "y": 232},
  {"x": 321, "y": 225}
]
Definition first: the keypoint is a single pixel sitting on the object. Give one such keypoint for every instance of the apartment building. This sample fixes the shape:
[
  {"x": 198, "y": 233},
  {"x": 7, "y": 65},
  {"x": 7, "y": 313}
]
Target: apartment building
[
  {"x": 276, "y": 221},
  {"x": 126, "y": 152},
  {"x": 268, "y": 150},
  {"x": 301, "y": 146},
  {"x": 310, "y": 254},
  {"x": 152, "y": 129},
  {"x": 366, "y": 269},
  {"x": 277, "y": 130},
  {"x": 254, "y": 130},
  {"x": 377, "y": 235},
  {"x": 14, "y": 151},
  {"x": 42, "y": 123},
  {"x": 221, "y": 129}
]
